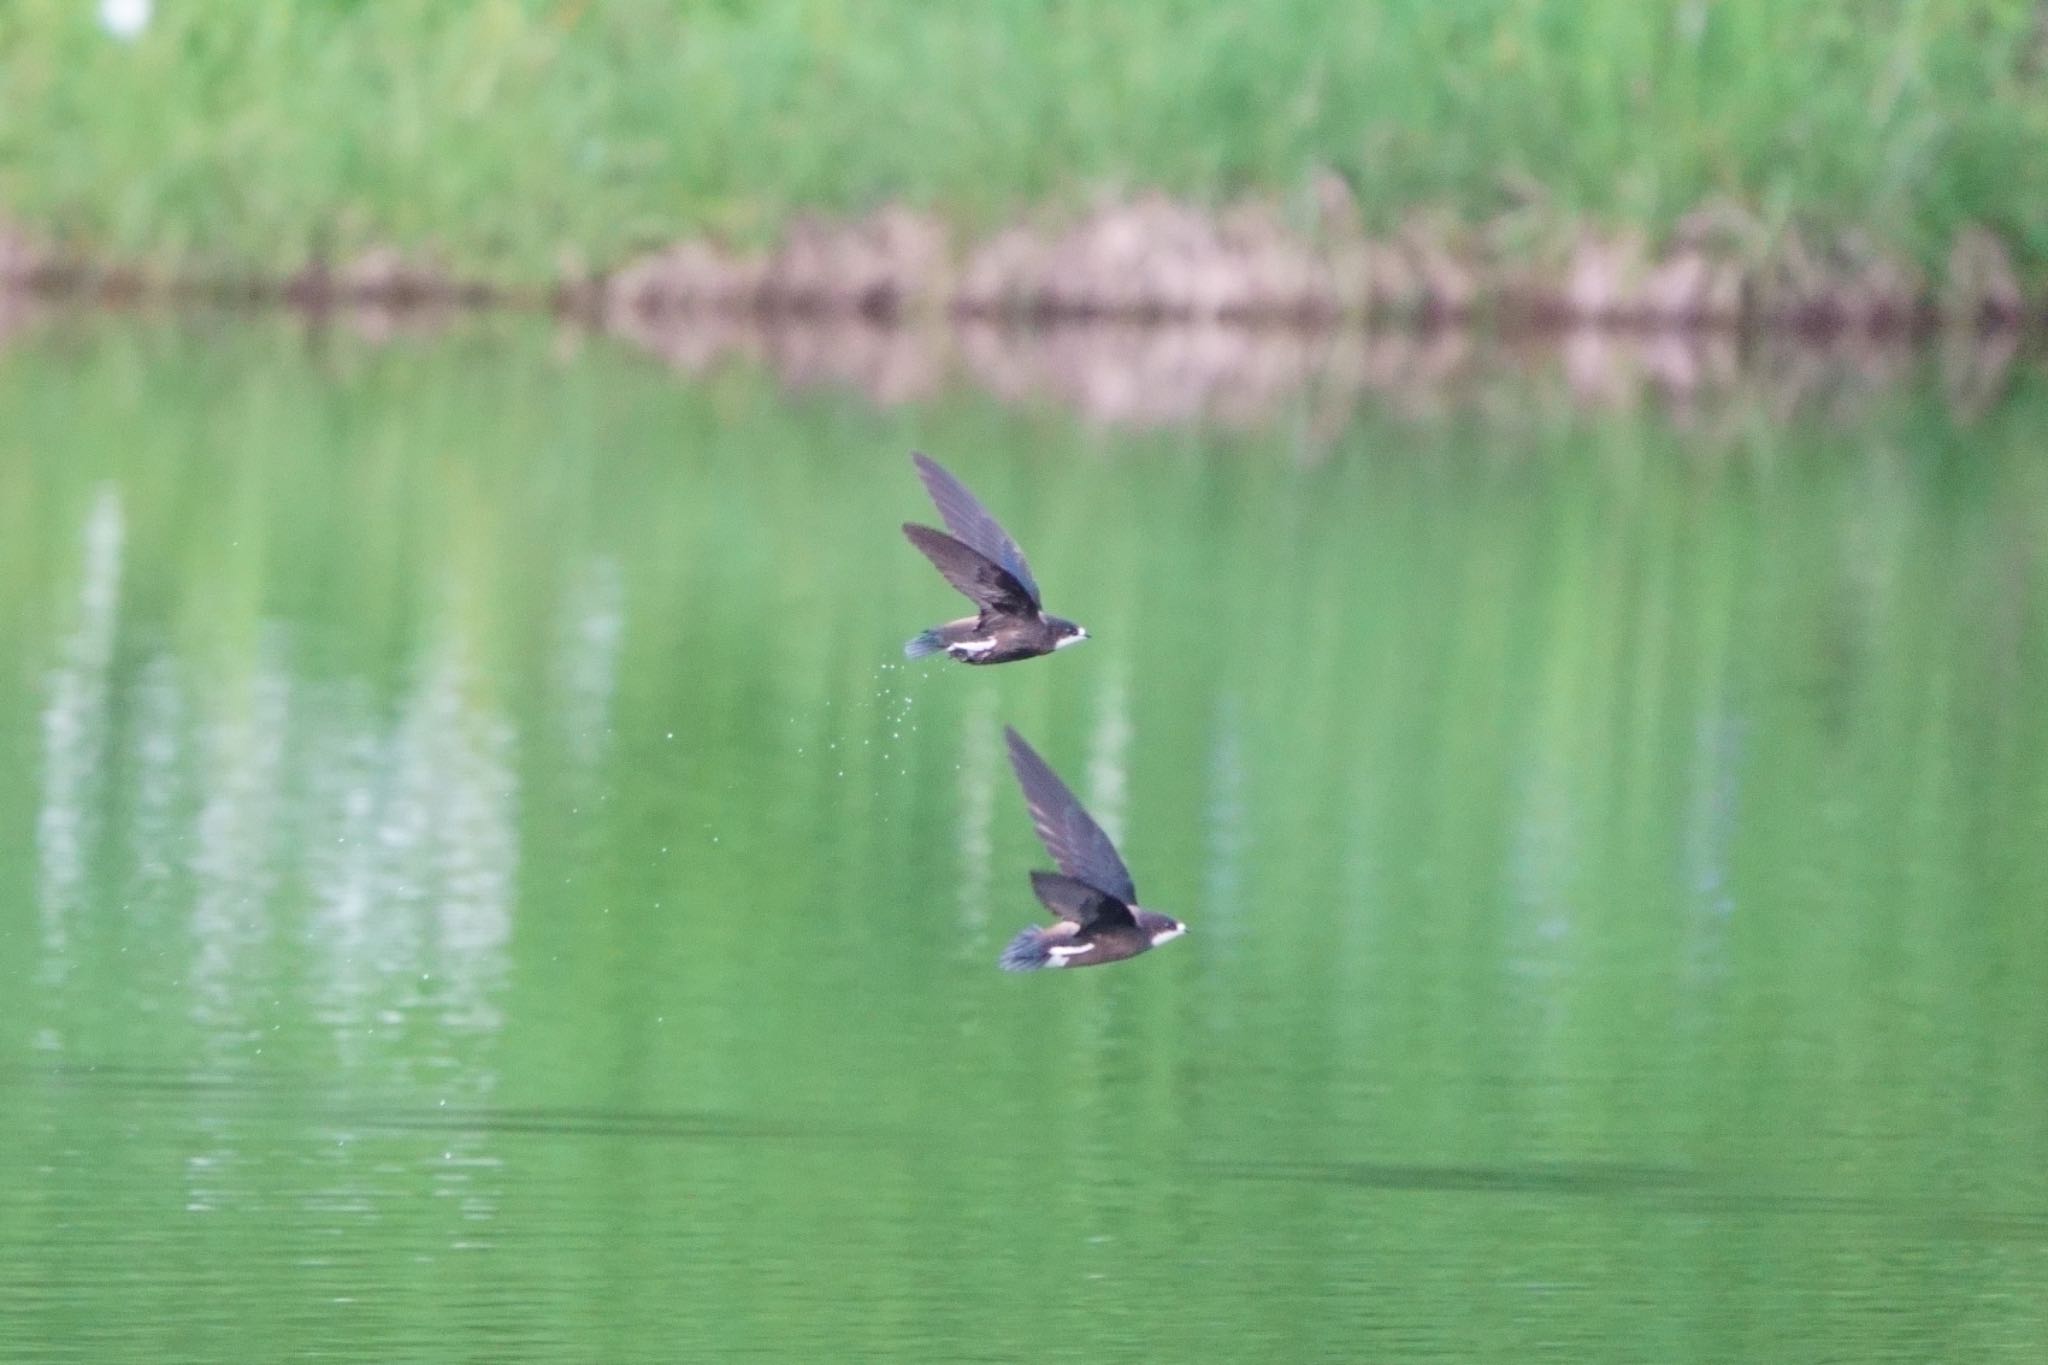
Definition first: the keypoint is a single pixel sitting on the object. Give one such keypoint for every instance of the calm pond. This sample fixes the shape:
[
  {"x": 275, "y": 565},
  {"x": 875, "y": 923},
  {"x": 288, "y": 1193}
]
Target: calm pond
[{"x": 480, "y": 882}]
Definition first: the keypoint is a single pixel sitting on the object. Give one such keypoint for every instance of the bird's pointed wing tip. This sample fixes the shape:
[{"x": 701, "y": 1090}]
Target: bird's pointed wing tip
[
  {"x": 1023, "y": 758},
  {"x": 927, "y": 539},
  {"x": 973, "y": 524},
  {"x": 977, "y": 577}
]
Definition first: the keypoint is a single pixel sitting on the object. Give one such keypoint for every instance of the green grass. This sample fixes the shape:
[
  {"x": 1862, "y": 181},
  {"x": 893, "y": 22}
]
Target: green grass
[{"x": 504, "y": 133}]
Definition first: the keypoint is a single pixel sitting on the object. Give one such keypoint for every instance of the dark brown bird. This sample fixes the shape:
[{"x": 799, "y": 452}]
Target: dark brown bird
[
  {"x": 1098, "y": 917},
  {"x": 981, "y": 560}
]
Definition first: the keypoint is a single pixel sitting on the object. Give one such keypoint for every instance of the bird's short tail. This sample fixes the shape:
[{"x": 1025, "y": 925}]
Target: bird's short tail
[
  {"x": 1027, "y": 952},
  {"x": 919, "y": 646}
]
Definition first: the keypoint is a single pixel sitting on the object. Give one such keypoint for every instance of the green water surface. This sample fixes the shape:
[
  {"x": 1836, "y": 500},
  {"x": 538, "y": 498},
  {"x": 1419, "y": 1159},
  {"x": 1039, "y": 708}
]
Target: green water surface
[{"x": 479, "y": 882}]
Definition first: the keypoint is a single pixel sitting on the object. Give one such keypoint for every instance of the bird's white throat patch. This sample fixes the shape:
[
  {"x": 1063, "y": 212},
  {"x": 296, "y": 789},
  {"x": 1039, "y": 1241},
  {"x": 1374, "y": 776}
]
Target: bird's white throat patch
[
  {"x": 1164, "y": 934},
  {"x": 1066, "y": 640}
]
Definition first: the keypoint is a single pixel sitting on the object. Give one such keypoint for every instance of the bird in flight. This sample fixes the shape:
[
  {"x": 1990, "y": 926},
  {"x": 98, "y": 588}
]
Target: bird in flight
[
  {"x": 1098, "y": 919},
  {"x": 981, "y": 560}
]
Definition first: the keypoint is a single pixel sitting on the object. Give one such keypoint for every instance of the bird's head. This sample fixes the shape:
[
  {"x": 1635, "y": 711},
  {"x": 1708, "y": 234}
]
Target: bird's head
[
  {"x": 1161, "y": 928},
  {"x": 1068, "y": 632}
]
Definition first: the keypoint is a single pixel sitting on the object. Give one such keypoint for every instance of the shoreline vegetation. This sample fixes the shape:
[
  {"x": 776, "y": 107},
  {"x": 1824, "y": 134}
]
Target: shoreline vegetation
[
  {"x": 1829, "y": 165},
  {"x": 1154, "y": 259}
]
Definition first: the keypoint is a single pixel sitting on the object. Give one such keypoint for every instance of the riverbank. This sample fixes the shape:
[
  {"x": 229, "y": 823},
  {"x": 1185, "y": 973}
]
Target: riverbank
[{"x": 1151, "y": 258}]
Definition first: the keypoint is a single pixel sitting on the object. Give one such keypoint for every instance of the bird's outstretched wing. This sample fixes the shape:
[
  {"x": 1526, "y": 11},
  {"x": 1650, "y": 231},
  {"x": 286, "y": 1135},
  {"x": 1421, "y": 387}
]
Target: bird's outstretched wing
[
  {"x": 1068, "y": 832},
  {"x": 987, "y": 584},
  {"x": 1079, "y": 902},
  {"x": 971, "y": 523}
]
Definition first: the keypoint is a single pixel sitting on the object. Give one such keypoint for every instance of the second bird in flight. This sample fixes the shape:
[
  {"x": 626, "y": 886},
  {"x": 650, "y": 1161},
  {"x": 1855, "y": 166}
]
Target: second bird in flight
[{"x": 1093, "y": 901}]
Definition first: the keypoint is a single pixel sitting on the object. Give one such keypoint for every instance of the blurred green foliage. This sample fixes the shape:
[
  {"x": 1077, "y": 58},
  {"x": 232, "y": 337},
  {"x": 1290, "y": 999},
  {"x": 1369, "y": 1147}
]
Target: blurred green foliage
[{"x": 506, "y": 133}]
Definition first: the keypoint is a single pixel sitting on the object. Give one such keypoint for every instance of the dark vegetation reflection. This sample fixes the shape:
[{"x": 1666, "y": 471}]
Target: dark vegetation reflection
[{"x": 1310, "y": 380}]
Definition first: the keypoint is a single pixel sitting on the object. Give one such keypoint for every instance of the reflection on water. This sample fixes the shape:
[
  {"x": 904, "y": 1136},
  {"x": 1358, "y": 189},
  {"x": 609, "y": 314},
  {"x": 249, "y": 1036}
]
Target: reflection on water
[
  {"x": 412, "y": 830},
  {"x": 392, "y": 838},
  {"x": 1228, "y": 823},
  {"x": 982, "y": 771},
  {"x": 75, "y": 728},
  {"x": 1569, "y": 1178},
  {"x": 158, "y": 740},
  {"x": 1109, "y": 747},
  {"x": 496, "y": 890},
  {"x": 592, "y": 624},
  {"x": 1671, "y": 1187},
  {"x": 1143, "y": 377},
  {"x": 234, "y": 840},
  {"x": 1312, "y": 381}
]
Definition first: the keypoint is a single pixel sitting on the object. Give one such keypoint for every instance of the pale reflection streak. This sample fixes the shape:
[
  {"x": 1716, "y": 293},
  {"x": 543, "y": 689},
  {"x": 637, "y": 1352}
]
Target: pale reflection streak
[
  {"x": 589, "y": 632},
  {"x": 236, "y": 844},
  {"x": 455, "y": 755},
  {"x": 1710, "y": 819},
  {"x": 75, "y": 730},
  {"x": 399, "y": 822},
  {"x": 1543, "y": 857},
  {"x": 1712, "y": 807},
  {"x": 1109, "y": 748},
  {"x": 157, "y": 755},
  {"x": 1227, "y": 825},
  {"x": 1541, "y": 853},
  {"x": 349, "y": 756},
  {"x": 413, "y": 823},
  {"x": 979, "y": 778}
]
